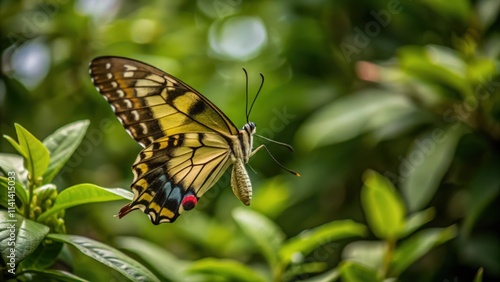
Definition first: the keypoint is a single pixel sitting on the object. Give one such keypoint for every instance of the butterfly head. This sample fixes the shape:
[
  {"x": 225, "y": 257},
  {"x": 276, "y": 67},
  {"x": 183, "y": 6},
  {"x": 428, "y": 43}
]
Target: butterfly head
[{"x": 250, "y": 128}]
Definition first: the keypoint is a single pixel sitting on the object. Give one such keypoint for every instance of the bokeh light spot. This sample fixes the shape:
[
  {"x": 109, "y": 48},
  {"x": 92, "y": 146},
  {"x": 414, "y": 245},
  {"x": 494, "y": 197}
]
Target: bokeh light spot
[{"x": 239, "y": 38}]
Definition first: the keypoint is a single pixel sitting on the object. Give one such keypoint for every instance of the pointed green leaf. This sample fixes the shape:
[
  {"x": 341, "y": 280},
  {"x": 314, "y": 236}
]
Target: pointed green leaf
[
  {"x": 162, "y": 261},
  {"x": 262, "y": 231},
  {"x": 19, "y": 234},
  {"x": 426, "y": 163},
  {"x": 229, "y": 270},
  {"x": 418, "y": 245},
  {"x": 16, "y": 146},
  {"x": 302, "y": 244},
  {"x": 487, "y": 12},
  {"x": 479, "y": 275},
  {"x": 61, "y": 145},
  {"x": 352, "y": 271},
  {"x": 36, "y": 154},
  {"x": 85, "y": 194},
  {"x": 108, "y": 256},
  {"x": 337, "y": 122},
  {"x": 382, "y": 205}
]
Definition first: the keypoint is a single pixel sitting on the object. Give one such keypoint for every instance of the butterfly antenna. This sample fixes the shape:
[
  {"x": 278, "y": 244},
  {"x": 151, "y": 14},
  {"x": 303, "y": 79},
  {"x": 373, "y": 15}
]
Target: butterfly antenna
[
  {"x": 256, "y": 95},
  {"x": 246, "y": 94}
]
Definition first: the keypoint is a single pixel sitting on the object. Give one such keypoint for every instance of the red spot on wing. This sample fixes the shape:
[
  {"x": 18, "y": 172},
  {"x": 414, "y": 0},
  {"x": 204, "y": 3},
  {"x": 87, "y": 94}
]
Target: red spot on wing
[{"x": 189, "y": 202}]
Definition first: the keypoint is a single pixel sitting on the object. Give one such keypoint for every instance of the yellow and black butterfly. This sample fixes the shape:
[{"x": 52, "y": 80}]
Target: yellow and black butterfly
[{"x": 188, "y": 142}]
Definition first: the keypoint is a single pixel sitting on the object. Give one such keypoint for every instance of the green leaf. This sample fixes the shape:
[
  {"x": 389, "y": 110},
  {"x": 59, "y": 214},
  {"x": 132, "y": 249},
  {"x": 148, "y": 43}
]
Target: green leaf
[
  {"x": 368, "y": 253},
  {"x": 479, "y": 275},
  {"x": 303, "y": 270},
  {"x": 36, "y": 154},
  {"x": 108, "y": 256},
  {"x": 229, "y": 270},
  {"x": 21, "y": 234},
  {"x": 163, "y": 262},
  {"x": 337, "y": 122},
  {"x": 418, "y": 245},
  {"x": 308, "y": 240},
  {"x": 382, "y": 205},
  {"x": 6, "y": 189},
  {"x": 16, "y": 146},
  {"x": 14, "y": 163},
  {"x": 52, "y": 275},
  {"x": 417, "y": 219},
  {"x": 352, "y": 271},
  {"x": 459, "y": 9},
  {"x": 439, "y": 65},
  {"x": 426, "y": 163},
  {"x": 85, "y": 194},
  {"x": 262, "y": 231},
  {"x": 44, "y": 256},
  {"x": 61, "y": 145},
  {"x": 487, "y": 12}
]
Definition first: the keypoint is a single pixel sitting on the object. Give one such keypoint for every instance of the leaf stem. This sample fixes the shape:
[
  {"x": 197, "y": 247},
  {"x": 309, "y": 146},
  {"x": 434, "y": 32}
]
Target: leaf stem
[{"x": 391, "y": 246}]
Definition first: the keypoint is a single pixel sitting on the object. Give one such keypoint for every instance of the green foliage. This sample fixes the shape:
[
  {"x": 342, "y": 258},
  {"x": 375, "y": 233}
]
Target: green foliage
[
  {"x": 61, "y": 145},
  {"x": 33, "y": 225},
  {"x": 393, "y": 108},
  {"x": 384, "y": 208},
  {"x": 108, "y": 256}
]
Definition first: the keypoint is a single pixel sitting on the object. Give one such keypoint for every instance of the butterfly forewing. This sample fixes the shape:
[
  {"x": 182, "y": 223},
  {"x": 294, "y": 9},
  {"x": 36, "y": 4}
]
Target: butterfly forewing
[
  {"x": 189, "y": 143},
  {"x": 152, "y": 104}
]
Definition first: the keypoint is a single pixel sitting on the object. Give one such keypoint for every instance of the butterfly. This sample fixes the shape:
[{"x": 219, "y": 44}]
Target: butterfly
[{"x": 188, "y": 142}]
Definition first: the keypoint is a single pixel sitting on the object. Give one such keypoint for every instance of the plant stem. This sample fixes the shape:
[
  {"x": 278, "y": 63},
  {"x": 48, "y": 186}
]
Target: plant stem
[
  {"x": 391, "y": 246},
  {"x": 31, "y": 186}
]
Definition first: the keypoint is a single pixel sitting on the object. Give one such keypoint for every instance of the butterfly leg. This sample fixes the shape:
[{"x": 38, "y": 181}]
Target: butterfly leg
[
  {"x": 274, "y": 159},
  {"x": 257, "y": 149}
]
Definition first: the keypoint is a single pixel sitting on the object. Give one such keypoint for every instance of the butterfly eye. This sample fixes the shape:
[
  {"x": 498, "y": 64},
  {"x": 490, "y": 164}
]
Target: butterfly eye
[
  {"x": 189, "y": 202},
  {"x": 250, "y": 127}
]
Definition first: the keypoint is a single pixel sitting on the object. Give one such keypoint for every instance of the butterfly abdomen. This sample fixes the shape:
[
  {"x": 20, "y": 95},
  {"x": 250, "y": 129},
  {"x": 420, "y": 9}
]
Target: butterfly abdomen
[{"x": 240, "y": 182}]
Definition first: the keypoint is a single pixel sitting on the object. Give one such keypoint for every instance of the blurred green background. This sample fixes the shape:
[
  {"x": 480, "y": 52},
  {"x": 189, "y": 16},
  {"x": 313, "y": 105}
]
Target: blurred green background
[{"x": 407, "y": 88}]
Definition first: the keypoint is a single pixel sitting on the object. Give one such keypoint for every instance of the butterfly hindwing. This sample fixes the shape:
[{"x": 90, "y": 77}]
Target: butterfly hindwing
[{"x": 174, "y": 168}]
